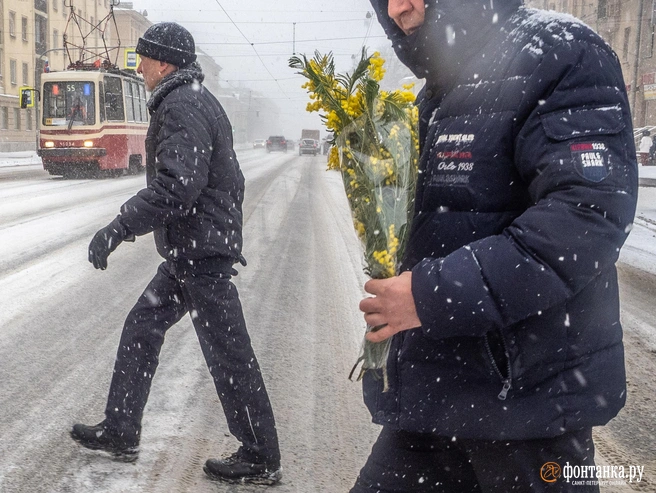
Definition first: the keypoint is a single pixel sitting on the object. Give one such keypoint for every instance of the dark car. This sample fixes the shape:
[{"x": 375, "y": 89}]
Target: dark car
[
  {"x": 276, "y": 143},
  {"x": 325, "y": 145},
  {"x": 308, "y": 146}
]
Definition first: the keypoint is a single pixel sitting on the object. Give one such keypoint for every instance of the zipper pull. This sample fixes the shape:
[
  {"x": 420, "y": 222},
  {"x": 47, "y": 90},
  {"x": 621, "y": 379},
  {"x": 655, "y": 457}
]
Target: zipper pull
[{"x": 504, "y": 391}]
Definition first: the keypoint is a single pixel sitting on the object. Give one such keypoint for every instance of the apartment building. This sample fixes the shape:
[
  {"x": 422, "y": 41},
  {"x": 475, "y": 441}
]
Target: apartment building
[
  {"x": 628, "y": 26},
  {"x": 131, "y": 26},
  {"x": 31, "y": 36},
  {"x": 17, "y": 48}
]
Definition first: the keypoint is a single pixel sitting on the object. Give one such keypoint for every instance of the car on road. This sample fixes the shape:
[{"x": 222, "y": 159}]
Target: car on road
[
  {"x": 325, "y": 146},
  {"x": 276, "y": 143},
  {"x": 259, "y": 143},
  {"x": 308, "y": 146}
]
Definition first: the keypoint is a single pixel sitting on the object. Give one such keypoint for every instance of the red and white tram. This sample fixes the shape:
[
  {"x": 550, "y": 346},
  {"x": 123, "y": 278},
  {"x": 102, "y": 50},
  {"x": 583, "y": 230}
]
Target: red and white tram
[{"x": 93, "y": 121}]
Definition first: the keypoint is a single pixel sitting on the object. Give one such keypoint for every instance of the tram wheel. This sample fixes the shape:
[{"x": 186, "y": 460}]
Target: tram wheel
[{"x": 135, "y": 164}]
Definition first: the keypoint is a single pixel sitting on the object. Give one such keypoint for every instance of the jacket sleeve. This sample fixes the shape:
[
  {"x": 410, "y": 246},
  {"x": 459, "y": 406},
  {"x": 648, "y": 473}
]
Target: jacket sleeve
[
  {"x": 575, "y": 152},
  {"x": 183, "y": 152}
]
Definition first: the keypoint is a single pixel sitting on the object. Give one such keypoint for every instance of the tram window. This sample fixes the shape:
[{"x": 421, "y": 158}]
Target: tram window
[
  {"x": 129, "y": 104},
  {"x": 138, "y": 111},
  {"x": 142, "y": 102},
  {"x": 101, "y": 97},
  {"x": 114, "y": 99},
  {"x": 138, "y": 117},
  {"x": 69, "y": 103}
]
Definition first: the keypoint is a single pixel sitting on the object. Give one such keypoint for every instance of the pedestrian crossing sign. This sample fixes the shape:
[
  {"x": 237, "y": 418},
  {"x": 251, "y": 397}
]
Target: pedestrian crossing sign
[{"x": 131, "y": 58}]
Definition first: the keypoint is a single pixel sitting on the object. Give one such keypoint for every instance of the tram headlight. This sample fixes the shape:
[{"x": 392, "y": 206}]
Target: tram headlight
[
  {"x": 88, "y": 143},
  {"x": 49, "y": 143}
]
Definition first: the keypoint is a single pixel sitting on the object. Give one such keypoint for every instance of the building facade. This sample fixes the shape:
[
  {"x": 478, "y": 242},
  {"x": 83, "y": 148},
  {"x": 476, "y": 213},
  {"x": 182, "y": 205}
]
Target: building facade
[
  {"x": 131, "y": 26},
  {"x": 17, "y": 48},
  {"x": 628, "y": 26},
  {"x": 31, "y": 39}
]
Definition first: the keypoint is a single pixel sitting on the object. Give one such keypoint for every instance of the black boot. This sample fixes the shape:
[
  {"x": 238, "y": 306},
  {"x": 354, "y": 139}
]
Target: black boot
[
  {"x": 237, "y": 469},
  {"x": 99, "y": 437}
]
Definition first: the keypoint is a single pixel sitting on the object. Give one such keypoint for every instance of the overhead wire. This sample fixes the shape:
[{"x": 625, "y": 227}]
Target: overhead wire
[
  {"x": 253, "y": 46},
  {"x": 298, "y": 40}
]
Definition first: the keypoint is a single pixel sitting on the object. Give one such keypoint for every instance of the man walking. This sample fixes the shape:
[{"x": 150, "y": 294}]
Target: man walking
[
  {"x": 507, "y": 343},
  {"x": 192, "y": 203}
]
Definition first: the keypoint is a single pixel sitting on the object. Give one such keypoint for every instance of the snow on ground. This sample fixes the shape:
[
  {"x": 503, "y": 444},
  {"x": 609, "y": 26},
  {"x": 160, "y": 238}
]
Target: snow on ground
[{"x": 639, "y": 250}]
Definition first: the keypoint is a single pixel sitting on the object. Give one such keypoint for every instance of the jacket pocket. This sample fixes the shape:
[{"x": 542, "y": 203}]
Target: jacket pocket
[
  {"x": 571, "y": 124},
  {"x": 587, "y": 140}
]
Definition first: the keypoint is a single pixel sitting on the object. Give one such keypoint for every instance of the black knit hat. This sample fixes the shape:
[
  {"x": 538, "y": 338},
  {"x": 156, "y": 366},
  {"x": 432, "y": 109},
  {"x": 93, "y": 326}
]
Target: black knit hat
[{"x": 168, "y": 42}]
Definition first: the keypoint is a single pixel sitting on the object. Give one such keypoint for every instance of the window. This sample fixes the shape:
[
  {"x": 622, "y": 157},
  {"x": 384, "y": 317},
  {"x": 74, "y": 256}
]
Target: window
[
  {"x": 17, "y": 118},
  {"x": 12, "y": 71},
  {"x": 26, "y": 74},
  {"x": 55, "y": 38},
  {"x": 625, "y": 47},
  {"x": 142, "y": 99},
  {"x": 40, "y": 34},
  {"x": 12, "y": 24},
  {"x": 114, "y": 99},
  {"x": 602, "y": 9},
  {"x": 24, "y": 28},
  {"x": 41, "y": 5},
  {"x": 69, "y": 103},
  {"x": 55, "y": 5},
  {"x": 129, "y": 104},
  {"x": 28, "y": 119},
  {"x": 101, "y": 99},
  {"x": 4, "y": 118}
]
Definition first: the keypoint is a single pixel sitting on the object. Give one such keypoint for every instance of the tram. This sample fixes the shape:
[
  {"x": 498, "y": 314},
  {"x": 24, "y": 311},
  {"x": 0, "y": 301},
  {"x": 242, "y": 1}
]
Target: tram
[{"x": 93, "y": 121}]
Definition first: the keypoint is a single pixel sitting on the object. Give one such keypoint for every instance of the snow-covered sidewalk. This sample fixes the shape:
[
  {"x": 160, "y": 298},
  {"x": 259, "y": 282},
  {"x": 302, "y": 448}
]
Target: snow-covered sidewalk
[
  {"x": 21, "y": 158},
  {"x": 647, "y": 176}
]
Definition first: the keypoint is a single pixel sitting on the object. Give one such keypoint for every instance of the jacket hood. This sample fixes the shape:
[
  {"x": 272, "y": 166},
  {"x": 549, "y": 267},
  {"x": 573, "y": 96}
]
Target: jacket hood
[{"x": 452, "y": 32}]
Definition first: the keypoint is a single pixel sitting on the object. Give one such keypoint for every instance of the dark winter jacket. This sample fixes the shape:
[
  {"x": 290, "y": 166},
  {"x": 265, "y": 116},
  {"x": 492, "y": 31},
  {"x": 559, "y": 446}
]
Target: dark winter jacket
[
  {"x": 526, "y": 192},
  {"x": 195, "y": 186}
]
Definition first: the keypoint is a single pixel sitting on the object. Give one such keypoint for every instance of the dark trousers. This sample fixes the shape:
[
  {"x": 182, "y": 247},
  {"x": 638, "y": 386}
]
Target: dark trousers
[
  {"x": 213, "y": 302},
  {"x": 403, "y": 462}
]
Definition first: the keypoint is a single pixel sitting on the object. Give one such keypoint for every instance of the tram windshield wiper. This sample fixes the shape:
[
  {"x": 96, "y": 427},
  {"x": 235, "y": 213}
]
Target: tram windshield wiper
[{"x": 76, "y": 109}]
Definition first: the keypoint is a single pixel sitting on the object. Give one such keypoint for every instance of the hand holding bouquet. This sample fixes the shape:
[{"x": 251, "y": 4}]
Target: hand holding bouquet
[{"x": 375, "y": 147}]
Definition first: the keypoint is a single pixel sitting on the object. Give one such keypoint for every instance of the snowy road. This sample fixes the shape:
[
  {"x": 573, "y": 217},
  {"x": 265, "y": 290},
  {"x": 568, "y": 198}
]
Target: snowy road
[{"x": 60, "y": 322}]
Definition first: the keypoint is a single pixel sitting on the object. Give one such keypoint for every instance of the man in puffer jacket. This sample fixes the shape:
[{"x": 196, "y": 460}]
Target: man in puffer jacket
[
  {"x": 193, "y": 204},
  {"x": 506, "y": 339}
]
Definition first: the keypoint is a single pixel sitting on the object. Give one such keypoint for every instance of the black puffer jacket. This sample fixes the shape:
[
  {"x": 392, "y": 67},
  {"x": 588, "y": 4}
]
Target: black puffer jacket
[
  {"x": 527, "y": 191},
  {"x": 195, "y": 186}
]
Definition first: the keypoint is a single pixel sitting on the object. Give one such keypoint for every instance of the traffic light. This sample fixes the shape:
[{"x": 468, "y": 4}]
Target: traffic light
[{"x": 26, "y": 95}]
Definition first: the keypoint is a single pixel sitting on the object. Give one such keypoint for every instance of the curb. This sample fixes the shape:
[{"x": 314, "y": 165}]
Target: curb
[{"x": 647, "y": 182}]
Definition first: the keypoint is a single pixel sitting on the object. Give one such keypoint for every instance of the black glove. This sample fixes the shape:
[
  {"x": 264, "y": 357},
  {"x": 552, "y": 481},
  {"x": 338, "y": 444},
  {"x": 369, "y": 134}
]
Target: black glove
[{"x": 105, "y": 242}]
